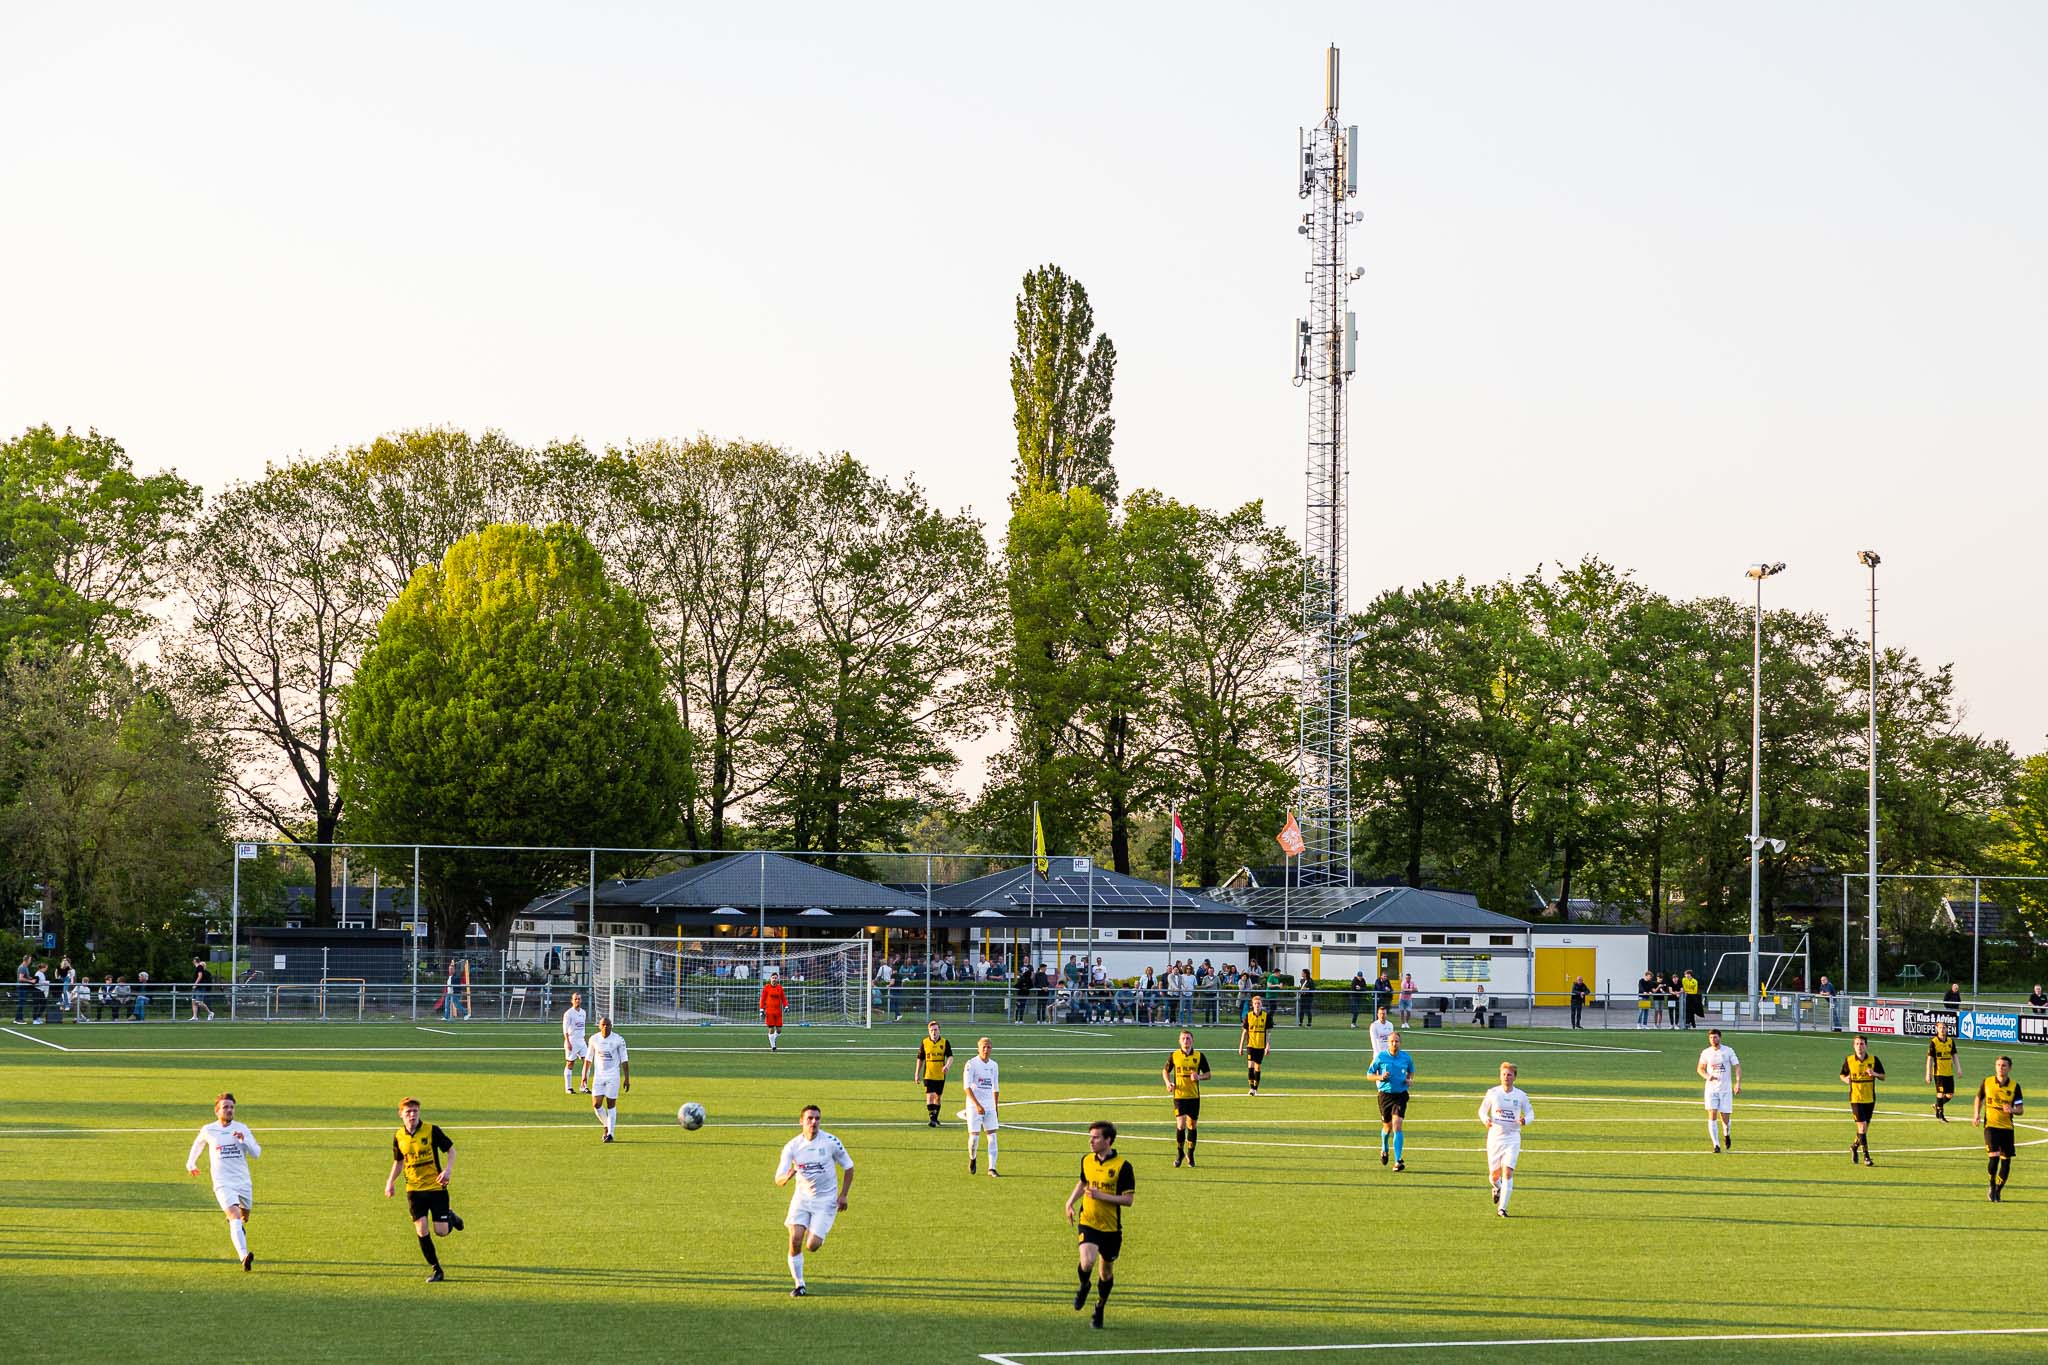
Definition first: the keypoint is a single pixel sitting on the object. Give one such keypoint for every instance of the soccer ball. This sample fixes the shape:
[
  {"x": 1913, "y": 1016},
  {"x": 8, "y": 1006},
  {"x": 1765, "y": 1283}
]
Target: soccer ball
[{"x": 691, "y": 1116}]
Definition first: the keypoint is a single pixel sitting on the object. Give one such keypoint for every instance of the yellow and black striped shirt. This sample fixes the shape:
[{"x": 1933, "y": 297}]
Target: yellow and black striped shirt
[
  {"x": 1999, "y": 1097},
  {"x": 934, "y": 1052},
  {"x": 1112, "y": 1173},
  {"x": 1943, "y": 1053}
]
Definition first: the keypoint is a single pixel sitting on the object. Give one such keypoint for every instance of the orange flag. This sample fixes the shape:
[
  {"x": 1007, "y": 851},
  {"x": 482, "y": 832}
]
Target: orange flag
[{"x": 1290, "y": 837}]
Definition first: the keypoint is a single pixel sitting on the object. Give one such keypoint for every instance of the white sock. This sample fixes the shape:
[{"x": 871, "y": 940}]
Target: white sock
[
  {"x": 238, "y": 1237},
  {"x": 991, "y": 1151},
  {"x": 611, "y": 1117},
  {"x": 796, "y": 1267},
  {"x": 1507, "y": 1188},
  {"x": 1714, "y": 1130}
]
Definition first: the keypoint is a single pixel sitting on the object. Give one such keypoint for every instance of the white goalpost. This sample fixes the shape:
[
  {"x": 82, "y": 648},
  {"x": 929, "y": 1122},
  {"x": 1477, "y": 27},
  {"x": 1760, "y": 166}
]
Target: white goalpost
[{"x": 639, "y": 981}]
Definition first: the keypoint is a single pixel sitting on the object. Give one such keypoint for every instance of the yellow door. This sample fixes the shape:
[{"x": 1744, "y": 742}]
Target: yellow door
[
  {"x": 1555, "y": 968},
  {"x": 1390, "y": 965},
  {"x": 1315, "y": 961}
]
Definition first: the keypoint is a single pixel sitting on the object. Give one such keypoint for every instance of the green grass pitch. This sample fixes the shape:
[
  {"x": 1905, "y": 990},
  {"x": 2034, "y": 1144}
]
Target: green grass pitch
[{"x": 668, "y": 1245}]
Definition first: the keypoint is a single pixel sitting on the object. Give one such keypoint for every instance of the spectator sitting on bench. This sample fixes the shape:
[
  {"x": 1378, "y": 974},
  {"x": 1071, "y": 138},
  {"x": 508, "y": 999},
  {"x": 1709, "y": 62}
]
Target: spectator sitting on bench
[{"x": 1479, "y": 1008}]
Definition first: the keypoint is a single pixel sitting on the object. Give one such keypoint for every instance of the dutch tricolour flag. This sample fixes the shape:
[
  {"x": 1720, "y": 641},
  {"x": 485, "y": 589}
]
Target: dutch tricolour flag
[{"x": 1180, "y": 840}]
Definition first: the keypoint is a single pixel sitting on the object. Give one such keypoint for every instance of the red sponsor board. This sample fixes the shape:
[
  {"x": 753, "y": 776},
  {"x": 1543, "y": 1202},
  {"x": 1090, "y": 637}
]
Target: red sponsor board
[{"x": 1879, "y": 1019}]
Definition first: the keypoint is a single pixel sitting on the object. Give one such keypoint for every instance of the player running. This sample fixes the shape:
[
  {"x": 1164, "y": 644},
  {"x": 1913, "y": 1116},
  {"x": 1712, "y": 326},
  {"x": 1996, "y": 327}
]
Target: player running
[
  {"x": 1505, "y": 1111},
  {"x": 229, "y": 1146},
  {"x": 1998, "y": 1101},
  {"x": 815, "y": 1160},
  {"x": 1184, "y": 1072},
  {"x": 1941, "y": 1068},
  {"x": 1721, "y": 1069},
  {"x": 1253, "y": 1042},
  {"x": 574, "y": 1022},
  {"x": 1392, "y": 1069},
  {"x": 1379, "y": 1030},
  {"x": 1106, "y": 1188},
  {"x": 427, "y": 1157},
  {"x": 1861, "y": 1072},
  {"x": 774, "y": 1000},
  {"x": 934, "y": 1060},
  {"x": 984, "y": 1097},
  {"x": 607, "y": 1053}
]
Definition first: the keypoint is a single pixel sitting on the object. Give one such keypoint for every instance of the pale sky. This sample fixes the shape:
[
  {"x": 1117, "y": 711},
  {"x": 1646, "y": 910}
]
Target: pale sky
[{"x": 1681, "y": 285}]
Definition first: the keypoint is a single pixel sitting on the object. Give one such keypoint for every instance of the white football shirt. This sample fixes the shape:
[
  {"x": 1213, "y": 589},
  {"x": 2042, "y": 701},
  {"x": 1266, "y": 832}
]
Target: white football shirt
[
  {"x": 1720, "y": 1063},
  {"x": 1380, "y": 1033},
  {"x": 609, "y": 1052},
  {"x": 573, "y": 1021},
  {"x": 816, "y": 1162},
  {"x": 984, "y": 1079},
  {"x": 1506, "y": 1110},
  {"x": 229, "y": 1146}
]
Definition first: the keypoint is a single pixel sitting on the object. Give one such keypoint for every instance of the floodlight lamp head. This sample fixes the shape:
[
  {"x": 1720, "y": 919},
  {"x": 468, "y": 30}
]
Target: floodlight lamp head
[
  {"x": 1867, "y": 558},
  {"x": 1763, "y": 571}
]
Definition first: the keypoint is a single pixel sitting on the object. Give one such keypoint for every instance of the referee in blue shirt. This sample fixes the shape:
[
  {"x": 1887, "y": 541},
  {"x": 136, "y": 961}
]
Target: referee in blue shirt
[{"x": 1391, "y": 1072}]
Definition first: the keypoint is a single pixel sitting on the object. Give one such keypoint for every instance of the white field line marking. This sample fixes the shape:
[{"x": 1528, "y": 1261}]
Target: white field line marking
[
  {"x": 582, "y": 1125},
  {"x": 446, "y": 1032},
  {"x": 1013, "y": 1357},
  {"x": 1091, "y": 1033},
  {"x": 1472, "y": 1151},
  {"x": 33, "y": 1039}
]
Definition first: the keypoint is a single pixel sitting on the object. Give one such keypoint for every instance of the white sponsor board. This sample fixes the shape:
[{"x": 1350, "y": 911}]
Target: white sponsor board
[{"x": 1879, "y": 1019}]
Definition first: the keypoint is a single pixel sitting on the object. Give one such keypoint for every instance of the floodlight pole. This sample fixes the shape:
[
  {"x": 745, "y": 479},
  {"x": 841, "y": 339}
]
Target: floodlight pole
[
  {"x": 1758, "y": 573},
  {"x": 1869, "y": 559},
  {"x": 927, "y": 936},
  {"x": 234, "y": 935}
]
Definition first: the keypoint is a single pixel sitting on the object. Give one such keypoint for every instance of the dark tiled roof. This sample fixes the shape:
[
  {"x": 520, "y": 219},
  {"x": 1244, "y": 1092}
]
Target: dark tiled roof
[
  {"x": 1065, "y": 889},
  {"x": 1383, "y": 907},
  {"x": 748, "y": 881}
]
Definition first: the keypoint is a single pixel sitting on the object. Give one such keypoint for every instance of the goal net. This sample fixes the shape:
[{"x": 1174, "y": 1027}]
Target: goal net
[{"x": 654, "y": 981}]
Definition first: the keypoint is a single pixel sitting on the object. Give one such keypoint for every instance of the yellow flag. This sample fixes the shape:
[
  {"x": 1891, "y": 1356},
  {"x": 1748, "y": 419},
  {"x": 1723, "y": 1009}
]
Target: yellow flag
[{"x": 1041, "y": 863}]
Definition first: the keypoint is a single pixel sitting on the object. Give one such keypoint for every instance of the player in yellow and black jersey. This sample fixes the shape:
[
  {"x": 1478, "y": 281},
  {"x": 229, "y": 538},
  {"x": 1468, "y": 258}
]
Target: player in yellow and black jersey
[
  {"x": 1941, "y": 1068},
  {"x": 934, "y": 1060},
  {"x": 1251, "y": 1042},
  {"x": 1184, "y": 1072},
  {"x": 426, "y": 1157},
  {"x": 1096, "y": 1206},
  {"x": 1998, "y": 1100},
  {"x": 1861, "y": 1072}
]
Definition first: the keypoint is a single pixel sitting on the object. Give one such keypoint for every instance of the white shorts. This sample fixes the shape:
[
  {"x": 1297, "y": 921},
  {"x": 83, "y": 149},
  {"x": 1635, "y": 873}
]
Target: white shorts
[
  {"x": 228, "y": 1195},
  {"x": 573, "y": 1049},
  {"x": 1720, "y": 1101},
  {"x": 1503, "y": 1151},
  {"x": 815, "y": 1218},
  {"x": 605, "y": 1089},
  {"x": 982, "y": 1120}
]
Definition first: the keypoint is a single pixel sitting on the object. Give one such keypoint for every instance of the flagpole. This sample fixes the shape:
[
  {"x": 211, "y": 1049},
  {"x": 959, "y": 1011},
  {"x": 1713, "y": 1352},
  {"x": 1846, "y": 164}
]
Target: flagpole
[{"x": 1172, "y": 860}]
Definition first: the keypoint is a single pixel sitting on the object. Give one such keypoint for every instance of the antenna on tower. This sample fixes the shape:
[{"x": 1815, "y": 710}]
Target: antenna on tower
[{"x": 1325, "y": 356}]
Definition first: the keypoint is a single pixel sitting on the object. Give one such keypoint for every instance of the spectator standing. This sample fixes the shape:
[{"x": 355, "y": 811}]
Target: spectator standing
[
  {"x": 1691, "y": 986},
  {"x": 1578, "y": 1001},
  {"x": 1826, "y": 990},
  {"x": 1382, "y": 992},
  {"x": 24, "y": 984},
  {"x": 1953, "y": 996},
  {"x": 2037, "y": 1002},
  {"x": 1305, "y": 1000},
  {"x": 202, "y": 977},
  {"x": 141, "y": 997},
  {"x": 1407, "y": 996},
  {"x": 1357, "y": 990},
  {"x": 42, "y": 1000},
  {"x": 1187, "y": 994}
]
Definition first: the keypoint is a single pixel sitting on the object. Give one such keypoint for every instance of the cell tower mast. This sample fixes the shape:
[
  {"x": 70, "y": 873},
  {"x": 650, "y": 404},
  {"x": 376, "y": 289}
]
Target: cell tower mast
[{"x": 1325, "y": 354}]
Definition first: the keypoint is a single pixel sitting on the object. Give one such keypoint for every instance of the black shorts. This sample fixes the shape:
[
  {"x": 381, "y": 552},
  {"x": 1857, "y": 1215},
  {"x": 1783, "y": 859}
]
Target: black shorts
[
  {"x": 1110, "y": 1244},
  {"x": 1393, "y": 1105},
  {"x": 428, "y": 1204},
  {"x": 1861, "y": 1112},
  {"x": 937, "y": 1087},
  {"x": 1945, "y": 1086},
  {"x": 1998, "y": 1141},
  {"x": 1257, "y": 1054},
  {"x": 1192, "y": 1108}
]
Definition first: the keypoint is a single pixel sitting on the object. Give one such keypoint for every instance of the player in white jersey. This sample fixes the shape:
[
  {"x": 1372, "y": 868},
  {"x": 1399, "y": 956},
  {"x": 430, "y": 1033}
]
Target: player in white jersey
[
  {"x": 984, "y": 1095},
  {"x": 1721, "y": 1069},
  {"x": 1505, "y": 1111},
  {"x": 823, "y": 1172},
  {"x": 606, "y": 1053},
  {"x": 1381, "y": 1029},
  {"x": 229, "y": 1148},
  {"x": 573, "y": 1023}
]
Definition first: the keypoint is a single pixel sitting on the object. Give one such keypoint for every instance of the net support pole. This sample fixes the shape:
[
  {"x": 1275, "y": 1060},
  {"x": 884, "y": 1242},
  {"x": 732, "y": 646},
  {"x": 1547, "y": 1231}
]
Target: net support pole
[
  {"x": 1976, "y": 928},
  {"x": 234, "y": 935},
  {"x": 415, "y": 931},
  {"x": 590, "y": 936},
  {"x": 927, "y": 936},
  {"x": 761, "y": 922}
]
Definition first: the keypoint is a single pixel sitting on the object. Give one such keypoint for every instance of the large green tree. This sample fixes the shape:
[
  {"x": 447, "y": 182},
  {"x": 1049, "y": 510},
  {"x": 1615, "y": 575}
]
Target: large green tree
[
  {"x": 1062, "y": 373},
  {"x": 86, "y": 543},
  {"x": 513, "y": 695}
]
